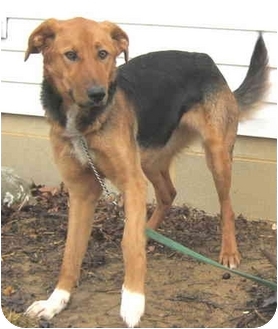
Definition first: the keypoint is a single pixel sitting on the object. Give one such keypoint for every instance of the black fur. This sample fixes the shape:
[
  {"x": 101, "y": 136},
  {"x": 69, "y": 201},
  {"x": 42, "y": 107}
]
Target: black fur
[
  {"x": 163, "y": 86},
  {"x": 255, "y": 84},
  {"x": 52, "y": 103}
]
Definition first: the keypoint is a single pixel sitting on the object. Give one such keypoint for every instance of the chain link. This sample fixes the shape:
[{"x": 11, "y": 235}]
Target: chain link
[{"x": 90, "y": 161}]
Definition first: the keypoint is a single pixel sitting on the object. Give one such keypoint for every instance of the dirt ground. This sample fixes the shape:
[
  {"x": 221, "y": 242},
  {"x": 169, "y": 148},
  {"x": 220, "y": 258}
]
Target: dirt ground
[{"x": 180, "y": 292}]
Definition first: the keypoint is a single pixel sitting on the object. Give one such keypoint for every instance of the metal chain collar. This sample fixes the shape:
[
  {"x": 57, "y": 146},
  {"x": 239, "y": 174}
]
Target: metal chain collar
[{"x": 90, "y": 161}]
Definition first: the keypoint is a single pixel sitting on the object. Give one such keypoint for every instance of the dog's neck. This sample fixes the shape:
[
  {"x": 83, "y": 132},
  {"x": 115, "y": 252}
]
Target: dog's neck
[{"x": 56, "y": 109}]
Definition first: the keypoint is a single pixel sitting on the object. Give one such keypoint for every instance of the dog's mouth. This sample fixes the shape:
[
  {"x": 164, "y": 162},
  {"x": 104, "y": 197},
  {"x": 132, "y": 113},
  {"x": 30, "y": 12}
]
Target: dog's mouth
[
  {"x": 91, "y": 105},
  {"x": 87, "y": 116}
]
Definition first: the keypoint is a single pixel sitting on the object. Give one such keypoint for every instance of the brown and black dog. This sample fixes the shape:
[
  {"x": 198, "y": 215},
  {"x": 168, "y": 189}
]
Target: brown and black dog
[{"x": 134, "y": 120}]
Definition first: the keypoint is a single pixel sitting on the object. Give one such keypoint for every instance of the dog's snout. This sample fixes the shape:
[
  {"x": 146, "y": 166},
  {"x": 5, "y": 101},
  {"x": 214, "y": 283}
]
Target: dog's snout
[{"x": 96, "y": 94}]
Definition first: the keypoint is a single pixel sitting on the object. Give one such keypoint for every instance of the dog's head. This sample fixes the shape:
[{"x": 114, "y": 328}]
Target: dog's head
[{"x": 79, "y": 58}]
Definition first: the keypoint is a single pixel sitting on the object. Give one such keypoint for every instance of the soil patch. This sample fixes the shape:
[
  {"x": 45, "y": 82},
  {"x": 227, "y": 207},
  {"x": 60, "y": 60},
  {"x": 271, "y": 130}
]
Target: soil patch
[{"x": 180, "y": 292}]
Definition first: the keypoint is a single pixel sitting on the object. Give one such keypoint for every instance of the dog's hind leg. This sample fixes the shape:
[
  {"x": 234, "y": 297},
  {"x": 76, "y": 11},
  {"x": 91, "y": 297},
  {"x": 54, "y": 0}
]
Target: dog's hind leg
[
  {"x": 165, "y": 193},
  {"x": 218, "y": 143},
  {"x": 219, "y": 162},
  {"x": 216, "y": 122}
]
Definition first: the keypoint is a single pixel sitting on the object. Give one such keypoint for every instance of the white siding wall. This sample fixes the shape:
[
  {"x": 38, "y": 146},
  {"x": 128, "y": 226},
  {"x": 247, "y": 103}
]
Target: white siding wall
[{"x": 226, "y": 30}]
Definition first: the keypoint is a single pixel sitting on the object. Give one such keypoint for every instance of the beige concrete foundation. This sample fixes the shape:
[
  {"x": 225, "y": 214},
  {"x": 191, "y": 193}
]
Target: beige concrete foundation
[{"x": 26, "y": 148}]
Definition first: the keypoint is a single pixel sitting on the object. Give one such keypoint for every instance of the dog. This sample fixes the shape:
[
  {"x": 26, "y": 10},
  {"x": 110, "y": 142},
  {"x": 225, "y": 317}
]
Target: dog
[{"x": 134, "y": 119}]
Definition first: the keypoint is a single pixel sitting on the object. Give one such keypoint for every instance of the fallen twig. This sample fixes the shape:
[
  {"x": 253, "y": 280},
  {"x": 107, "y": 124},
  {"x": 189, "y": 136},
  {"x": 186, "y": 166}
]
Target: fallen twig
[
  {"x": 260, "y": 316},
  {"x": 270, "y": 257}
]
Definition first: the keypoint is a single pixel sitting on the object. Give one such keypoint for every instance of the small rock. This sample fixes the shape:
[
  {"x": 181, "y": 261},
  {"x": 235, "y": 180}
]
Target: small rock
[
  {"x": 226, "y": 276},
  {"x": 14, "y": 189},
  {"x": 45, "y": 324}
]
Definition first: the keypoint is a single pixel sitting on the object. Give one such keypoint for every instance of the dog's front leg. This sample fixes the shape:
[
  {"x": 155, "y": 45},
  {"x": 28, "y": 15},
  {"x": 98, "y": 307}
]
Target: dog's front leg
[
  {"x": 84, "y": 192},
  {"x": 133, "y": 247}
]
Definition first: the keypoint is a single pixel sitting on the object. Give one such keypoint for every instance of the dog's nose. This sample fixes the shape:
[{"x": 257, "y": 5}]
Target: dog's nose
[{"x": 96, "y": 94}]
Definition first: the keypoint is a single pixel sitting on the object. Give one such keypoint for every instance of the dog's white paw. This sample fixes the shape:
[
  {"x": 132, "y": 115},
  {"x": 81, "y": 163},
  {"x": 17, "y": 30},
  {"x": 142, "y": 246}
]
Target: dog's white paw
[
  {"x": 132, "y": 307},
  {"x": 46, "y": 309}
]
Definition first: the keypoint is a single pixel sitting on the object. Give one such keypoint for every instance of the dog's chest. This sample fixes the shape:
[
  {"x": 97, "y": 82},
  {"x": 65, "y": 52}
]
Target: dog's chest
[{"x": 79, "y": 148}]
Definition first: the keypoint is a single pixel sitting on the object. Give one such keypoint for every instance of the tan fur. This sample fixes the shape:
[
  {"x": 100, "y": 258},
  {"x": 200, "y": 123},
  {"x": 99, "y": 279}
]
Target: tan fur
[
  {"x": 111, "y": 139},
  {"x": 216, "y": 124}
]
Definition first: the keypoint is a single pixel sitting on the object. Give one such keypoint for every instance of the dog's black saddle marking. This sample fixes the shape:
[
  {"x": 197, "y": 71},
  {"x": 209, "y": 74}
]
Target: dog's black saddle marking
[{"x": 163, "y": 86}]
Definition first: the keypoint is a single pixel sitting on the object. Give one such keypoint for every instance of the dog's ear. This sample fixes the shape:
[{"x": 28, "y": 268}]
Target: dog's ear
[
  {"x": 41, "y": 37},
  {"x": 119, "y": 36}
]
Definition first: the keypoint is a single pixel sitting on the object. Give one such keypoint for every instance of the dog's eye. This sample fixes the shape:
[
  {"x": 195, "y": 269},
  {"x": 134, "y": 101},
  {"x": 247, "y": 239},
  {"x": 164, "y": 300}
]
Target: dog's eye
[
  {"x": 71, "y": 55},
  {"x": 102, "y": 54}
]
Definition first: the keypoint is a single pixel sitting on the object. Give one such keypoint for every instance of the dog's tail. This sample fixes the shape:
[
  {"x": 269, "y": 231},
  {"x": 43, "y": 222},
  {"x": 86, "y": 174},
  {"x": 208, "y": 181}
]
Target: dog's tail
[{"x": 255, "y": 85}]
